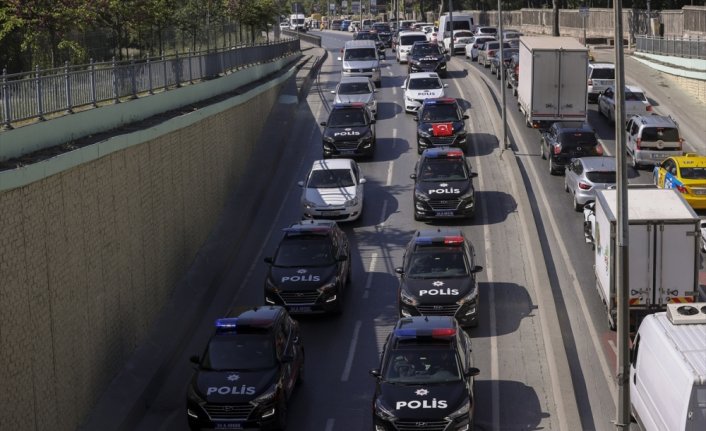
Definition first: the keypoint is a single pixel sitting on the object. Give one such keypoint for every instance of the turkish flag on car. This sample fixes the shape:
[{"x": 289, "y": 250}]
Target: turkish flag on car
[{"x": 442, "y": 129}]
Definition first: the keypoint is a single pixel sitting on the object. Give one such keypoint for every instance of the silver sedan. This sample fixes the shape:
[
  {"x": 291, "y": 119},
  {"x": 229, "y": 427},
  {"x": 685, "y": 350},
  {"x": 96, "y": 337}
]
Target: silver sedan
[{"x": 587, "y": 174}]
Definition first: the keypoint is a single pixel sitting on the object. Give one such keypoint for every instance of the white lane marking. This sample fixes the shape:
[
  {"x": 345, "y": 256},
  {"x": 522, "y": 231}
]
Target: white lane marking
[
  {"x": 351, "y": 353},
  {"x": 394, "y": 137},
  {"x": 366, "y": 294},
  {"x": 380, "y": 226},
  {"x": 613, "y": 347},
  {"x": 371, "y": 271},
  {"x": 394, "y": 91},
  {"x": 389, "y": 172},
  {"x": 329, "y": 424}
]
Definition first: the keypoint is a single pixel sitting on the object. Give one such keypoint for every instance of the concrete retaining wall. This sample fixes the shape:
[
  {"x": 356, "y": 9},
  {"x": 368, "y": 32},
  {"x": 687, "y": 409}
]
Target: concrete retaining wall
[{"x": 88, "y": 255}]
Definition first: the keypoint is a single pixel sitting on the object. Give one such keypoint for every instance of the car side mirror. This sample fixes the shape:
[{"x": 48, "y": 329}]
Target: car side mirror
[
  {"x": 399, "y": 270},
  {"x": 339, "y": 58},
  {"x": 477, "y": 268},
  {"x": 403, "y": 87},
  {"x": 268, "y": 259},
  {"x": 413, "y": 176},
  {"x": 446, "y": 85},
  {"x": 375, "y": 373},
  {"x": 472, "y": 372},
  {"x": 362, "y": 181},
  {"x": 375, "y": 91},
  {"x": 333, "y": 91},
  {"x": 300, "y": 183},
  {"x": 474, "y": 175},
  {"x": 194, "y": 359},
  {"x": 323, "y": 123},
  {"x": 465, "y": 117}
]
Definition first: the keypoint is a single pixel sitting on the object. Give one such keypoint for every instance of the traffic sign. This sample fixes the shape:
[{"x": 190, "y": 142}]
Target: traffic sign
[{"x": 583, "y": 11}]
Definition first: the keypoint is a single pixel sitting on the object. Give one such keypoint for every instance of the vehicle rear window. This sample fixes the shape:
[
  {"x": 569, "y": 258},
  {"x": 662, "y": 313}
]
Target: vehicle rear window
[
  {"x": 603, "y": 73},
  {"x": 635, "y": 96},
  {"x": 436, "y": 113},
  {"x": 601, "y": 177},
  {"x": 424, "y": 84},
  {"x": 409, "y": 40},
  {"x": 654, "y": 134},
  {"x": 459, "y": 25},
  {"x": 353, "y": 88},
  {"x": 693, "y": 173}
]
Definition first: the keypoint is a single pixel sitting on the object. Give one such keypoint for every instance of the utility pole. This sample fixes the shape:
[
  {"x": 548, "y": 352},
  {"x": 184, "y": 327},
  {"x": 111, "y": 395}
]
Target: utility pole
[
  {"x": 451, "y": 23},
  {"x": 622, "y": 421},
  {"x": 501, "y": 71}
]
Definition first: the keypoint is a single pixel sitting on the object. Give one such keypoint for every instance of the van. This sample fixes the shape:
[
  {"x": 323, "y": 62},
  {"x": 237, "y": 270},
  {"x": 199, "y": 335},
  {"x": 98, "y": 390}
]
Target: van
[
  {"x": 460, "y": 22},
  {"x": 668, "y": 370},
  {"x": 405, "y": 40},
  {"x": 361, "y": 58},
  {"x": 650, "y": 139}
]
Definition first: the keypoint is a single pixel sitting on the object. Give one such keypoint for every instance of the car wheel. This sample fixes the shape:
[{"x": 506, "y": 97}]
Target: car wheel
[
  {"x": 420, "y": 150},
  {"x": 577, "y": 205},
  {"x": 566, "y": 186},
  {"x": 541, "y": 151},
  {"x": 551, "y": 166}
]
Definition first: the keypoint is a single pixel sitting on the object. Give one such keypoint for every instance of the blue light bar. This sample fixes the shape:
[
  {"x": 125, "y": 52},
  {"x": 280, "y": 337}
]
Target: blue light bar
[
  {"x": 439, "y": 101},
  {"x": 227, "y": 323},
  {"x": 442, "y": 333}
]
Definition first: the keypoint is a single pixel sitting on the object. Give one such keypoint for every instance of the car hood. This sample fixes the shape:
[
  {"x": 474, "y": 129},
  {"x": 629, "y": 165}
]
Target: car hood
[
  {"x": 301, "y": 278},
  {"x": 346, "y": 133},
  {"x": 428, "y": 127},
  {"x": 438, "y": 291},
  {"x": 335, "y": 196},
  {"x": 353, "y": 98},
  {"x": 367, "y": 64},
  {"x": 423, "y": 401},
  {"x": 425, "y": 94},
  {"x": 232, "y": 386},
  {"x": 444, "y": 189}
]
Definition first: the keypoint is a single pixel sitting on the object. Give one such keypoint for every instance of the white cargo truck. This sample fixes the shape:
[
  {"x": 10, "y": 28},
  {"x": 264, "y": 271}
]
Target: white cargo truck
[
  {"x": 553, "y": 80},
  {"x": 668, "y": 370},
  {"x": 663, "y": 250}
]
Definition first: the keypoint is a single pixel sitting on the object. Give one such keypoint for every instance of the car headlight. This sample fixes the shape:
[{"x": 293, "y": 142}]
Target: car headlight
[
  {"x": 352, "y": 202},
  {"x": 383, "y": 412},
  {"x": 308, "y": 204},
  {"x": 267, "y": 396},
  {"x": 329, "y": 139},
  {"x": 468, "y": 195},
  {"x": 463, "y": 410},
  {"x": 327, "y": 287},
  {"x": 408, "y": 298},
  {"x": 345, "y": 69},
  {"x": 374, "y": 69},
  {"x": 423, "y": 133},
  {"x": 472, "y": 296}
]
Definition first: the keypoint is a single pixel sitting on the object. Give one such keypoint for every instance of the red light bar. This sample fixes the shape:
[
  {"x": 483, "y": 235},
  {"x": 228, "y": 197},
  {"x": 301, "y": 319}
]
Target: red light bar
[
  {"x": 443, "y": 332},
  {"x": 453, "y": 240}
]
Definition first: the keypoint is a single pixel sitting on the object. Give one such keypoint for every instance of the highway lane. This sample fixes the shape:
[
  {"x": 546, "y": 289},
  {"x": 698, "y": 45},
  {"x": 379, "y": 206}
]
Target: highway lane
[{"x": 521, "y": 384}]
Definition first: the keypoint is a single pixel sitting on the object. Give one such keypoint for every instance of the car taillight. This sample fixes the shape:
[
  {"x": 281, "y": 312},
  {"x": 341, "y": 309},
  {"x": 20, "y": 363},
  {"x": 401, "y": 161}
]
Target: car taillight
[
  {"x": 681, "y": 142},
  {"x": 681, "y": 188},
  {"x": 491, "y": 53},
  {"x": 599, "y": 149},
  {"x": 649, "y": 108},
  {"x": 637, "y": 143},
  {"x": 584, "y": 186},
  {"x": 557, "y": 149},
  {"x": 590, "y": 82}
]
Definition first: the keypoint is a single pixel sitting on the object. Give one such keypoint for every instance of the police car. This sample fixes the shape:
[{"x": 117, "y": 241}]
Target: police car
[
  {"x": 441, "y": 123},
  {"x": 247, "y": 373},
  {"x": 426, "y": 57},
  {"x": 349, "y": 131},
  {"x": 426, "y": 377},
  {"x": 419, "y": 87},
  {"x": 437, "y": 277},
  {"x": 310, "y": 269},
  {"x": 443, "y": 185}
]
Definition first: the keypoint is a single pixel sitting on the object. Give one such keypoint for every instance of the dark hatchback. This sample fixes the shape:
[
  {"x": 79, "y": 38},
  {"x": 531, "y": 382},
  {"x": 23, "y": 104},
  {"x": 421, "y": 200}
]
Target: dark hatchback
[
  {"x": 441, "y": 123},
  {"x": 426, "y": 377},
  {"x": 568, "y": 140},
  {"x": 374, "y": 36},
  {"x": 426, "y": 57},
  {"x": 247, "y": 373}
]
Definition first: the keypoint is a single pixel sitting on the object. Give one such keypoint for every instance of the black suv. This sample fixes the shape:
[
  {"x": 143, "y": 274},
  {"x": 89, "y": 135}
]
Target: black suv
[
  {"x": 310, "y": 269},
  {"x": 426, "y": 377},
  {"x": 426, "y": 57},
  {"x": 437, "y": 277},
  {"x": 247, "y": 373},
  {"x": 349, "y": 131},
  {"x": 564, "y": 141},
  {"x": 374, "y": 36},
  {"x": 443, "y": 185},
  {"x": 441, "y": 124},
  {"x": 383, "y": 30}
]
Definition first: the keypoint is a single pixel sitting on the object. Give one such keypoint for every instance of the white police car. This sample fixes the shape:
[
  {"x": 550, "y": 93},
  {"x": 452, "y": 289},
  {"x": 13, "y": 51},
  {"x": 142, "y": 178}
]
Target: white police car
[{"x": 419, "y": 87}]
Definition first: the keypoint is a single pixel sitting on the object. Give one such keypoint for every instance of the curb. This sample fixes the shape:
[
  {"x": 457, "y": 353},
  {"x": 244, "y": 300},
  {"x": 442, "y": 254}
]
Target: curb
[{"x": 313, "y": 72}]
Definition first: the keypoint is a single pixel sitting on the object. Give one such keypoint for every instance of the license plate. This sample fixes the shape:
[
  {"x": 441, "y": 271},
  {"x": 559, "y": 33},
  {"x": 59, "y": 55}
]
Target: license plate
[
  {"x": 657, "y": 156},
  {"x": 331, "y": 213},
  {"x": 300, "y": 309},
  {"x": 444, "y": 213},
  {"x": 229, "y": 426},
  {"x": 347, "y": 151},
  {"x": 700, "y": 191}
]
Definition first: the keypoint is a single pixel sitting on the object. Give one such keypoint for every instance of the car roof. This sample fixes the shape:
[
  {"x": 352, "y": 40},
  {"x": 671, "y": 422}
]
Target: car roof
[
  {"x": 324, "y": 164},
  {"x": 634, "y": 89},
  {"x": 599, "y": 163},
  {"x": 415, "y": 75},
  {"x": 413, "y": 33},
  {"x": 691, "y": 159},
  {"x": 426, "y": 322},
  {"x": 263, "y": 316},
  {"x": 360, "y": 44},
  {"x": 655, "y": 120}
]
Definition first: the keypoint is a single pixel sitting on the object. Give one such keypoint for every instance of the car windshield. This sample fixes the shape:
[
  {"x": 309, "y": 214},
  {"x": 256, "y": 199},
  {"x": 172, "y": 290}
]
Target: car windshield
[
  {"x": 366, "y": 36},
  {"x": 424, "y": 84},
  {"x": 360, "y": 54},
  {"x": 693, "y": 173},
  {"x": 654, "y": 134},
  {"x": 435, "y": 263},
  {"x": 601, "y": 177},
  {"x": 435, "y": 170},
  {"x": 422, "y": 365},
  {"x": 435, "y": 113},
  {"x": 425, "y": 49},
  {"x": 409, "y": 40},
  {"x": 354, "y": 88},
  {"x": 240, "y": 352},
  {"x": 635, "y": 96},
  {"x": 315, "y": 250},
  {"x": 603, "y": 73},
  {"x": 330, "y": 179},
  {"x": 346, "y": 118}
]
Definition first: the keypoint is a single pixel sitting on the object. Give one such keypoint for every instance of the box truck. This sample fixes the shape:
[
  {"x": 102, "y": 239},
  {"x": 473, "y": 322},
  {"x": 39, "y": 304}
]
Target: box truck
[
  {"x": 668, "y": 370},
  {"x": 663, "y": 250},
  {"x": 552, "y": 84}
]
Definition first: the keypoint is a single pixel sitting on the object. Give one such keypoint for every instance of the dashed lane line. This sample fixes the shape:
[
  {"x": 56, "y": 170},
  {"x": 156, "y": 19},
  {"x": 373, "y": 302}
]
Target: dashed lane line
[{"x": 351, "y": 352}]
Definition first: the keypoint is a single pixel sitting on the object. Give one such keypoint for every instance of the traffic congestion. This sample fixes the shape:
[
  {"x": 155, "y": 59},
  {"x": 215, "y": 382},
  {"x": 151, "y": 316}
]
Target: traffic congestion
[{"x": 401, "y": 286}]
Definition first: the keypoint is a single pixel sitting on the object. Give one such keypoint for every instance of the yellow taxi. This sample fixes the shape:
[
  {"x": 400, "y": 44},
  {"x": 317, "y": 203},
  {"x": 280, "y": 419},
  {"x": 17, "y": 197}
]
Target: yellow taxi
[{"x": 685, "y": 173}]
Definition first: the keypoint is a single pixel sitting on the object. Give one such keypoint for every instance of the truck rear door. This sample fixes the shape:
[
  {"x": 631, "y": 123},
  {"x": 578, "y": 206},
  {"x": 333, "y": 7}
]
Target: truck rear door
[
  {"x": 641, "y": 256},
  {"x": 675, "y": 260},
  {"x": 545, "y": 102},
  {"x": 572, "y": 90}
]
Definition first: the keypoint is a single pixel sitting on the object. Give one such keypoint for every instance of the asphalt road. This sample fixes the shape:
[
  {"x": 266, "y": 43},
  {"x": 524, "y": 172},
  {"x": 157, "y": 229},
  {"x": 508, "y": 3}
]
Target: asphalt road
[{"x": 543, "y": 345}]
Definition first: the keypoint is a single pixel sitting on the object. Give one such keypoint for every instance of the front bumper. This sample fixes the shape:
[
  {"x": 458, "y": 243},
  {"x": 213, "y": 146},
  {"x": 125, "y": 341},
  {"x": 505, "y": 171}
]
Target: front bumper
[
  {"x": 305, "y": 302},
  {"x": 204, "y": 416},
  {"x": 373, "y": 75},
  {"x": 466, "y": 315},
  {"x": 654, "y": 157},
  {"x": 462, "y": 423},
  {"x": 458, "y": 141},
  {"x": 349, "y": 148},
  {"x": 444, "y": 209}
]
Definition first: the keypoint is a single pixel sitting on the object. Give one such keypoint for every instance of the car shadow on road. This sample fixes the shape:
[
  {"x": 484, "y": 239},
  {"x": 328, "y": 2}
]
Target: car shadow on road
[
  {"x": 520, "y": 408},
  {"x": 457, "y": 74},
  {"x": 387, "y": 110},
  {"x": 499, "y": 204},
  {"x": 512, "y": 305},
  {"x": 464, "y": 104},
  {"x": 481, "y": 144}
]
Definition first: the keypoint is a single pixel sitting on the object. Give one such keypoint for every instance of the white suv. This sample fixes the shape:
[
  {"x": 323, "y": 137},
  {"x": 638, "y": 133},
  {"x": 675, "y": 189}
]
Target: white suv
[
  {"x": 600, "y": 77},
  {"x": 652, "y": 138},
  {"x": 405, "y": 40}
]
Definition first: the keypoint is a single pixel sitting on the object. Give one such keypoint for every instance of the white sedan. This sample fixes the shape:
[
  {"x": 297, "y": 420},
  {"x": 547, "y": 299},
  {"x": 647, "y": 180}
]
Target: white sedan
[
  {"x": 333, "y": 190},
  {"x": 474, "y": 45},
  {"x": 635, "y": 102},
  {"x": 420, "y": 86}
]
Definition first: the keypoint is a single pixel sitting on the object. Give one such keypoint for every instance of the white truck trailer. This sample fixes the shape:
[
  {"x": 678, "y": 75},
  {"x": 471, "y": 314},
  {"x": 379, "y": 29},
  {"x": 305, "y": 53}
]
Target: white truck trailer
[
  {"x": 668, "y": 370},
  {"x": 663, "y": 250},
  {"x": 553, "y": 80}
]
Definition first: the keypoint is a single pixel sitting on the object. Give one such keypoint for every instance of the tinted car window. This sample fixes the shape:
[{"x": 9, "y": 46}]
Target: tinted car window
[
  {"x": 422, "y": 365},
  {"x": 240, "y": 352},
  {"x": 434, "y": 264},
  {"x": 601, "y": 177},
  {"x": 346, "y": 117},
  {"x": 654, "y": 134},
  {"x": 425, "y": 48},
  {"x": 603, "y": 74},
  {"x": 443, "y": 170},
  {"x": 693, "y": 173},
  {"x": 311, "y": 251},
  {"x": 409, "y": 40},
  {"x": 577, "y": 139},
  {"x": 634, "y": 96}
]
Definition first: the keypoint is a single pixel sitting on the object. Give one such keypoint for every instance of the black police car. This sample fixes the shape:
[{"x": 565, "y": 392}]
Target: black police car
[
  {"x": 441, "y": 123},
  {"x": 426, "y": 57},
  {"x": 426, "y": 377},
  {"x": 247, "y": 372},
  {"x": 374, "y": 36},
  {"x": 383, "y": 30},
  {"x": 310, "y": 269},
  {"x": 437, "y": 277},
  {"x": 443, "y": 185},
  {"x": 349, "y": 131}
]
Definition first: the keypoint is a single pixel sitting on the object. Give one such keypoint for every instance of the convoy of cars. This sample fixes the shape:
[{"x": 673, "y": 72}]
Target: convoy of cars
[{"x": 426, "y": 375}]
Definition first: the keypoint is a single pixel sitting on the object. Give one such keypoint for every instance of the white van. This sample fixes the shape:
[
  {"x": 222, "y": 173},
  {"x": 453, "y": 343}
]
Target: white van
[
  {"x": 668, "y": 370},
  {"x": 460, "y": 22},
  {"x": 405, "y": 40},
  {"x": 360, "y": 58}
]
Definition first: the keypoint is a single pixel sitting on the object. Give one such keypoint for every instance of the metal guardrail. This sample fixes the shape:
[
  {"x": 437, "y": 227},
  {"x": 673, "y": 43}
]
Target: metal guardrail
[
  {"x": 306, "y": 37},
  {"x": 693, "y": 47},
  {"x": 26, "y": 96}
]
